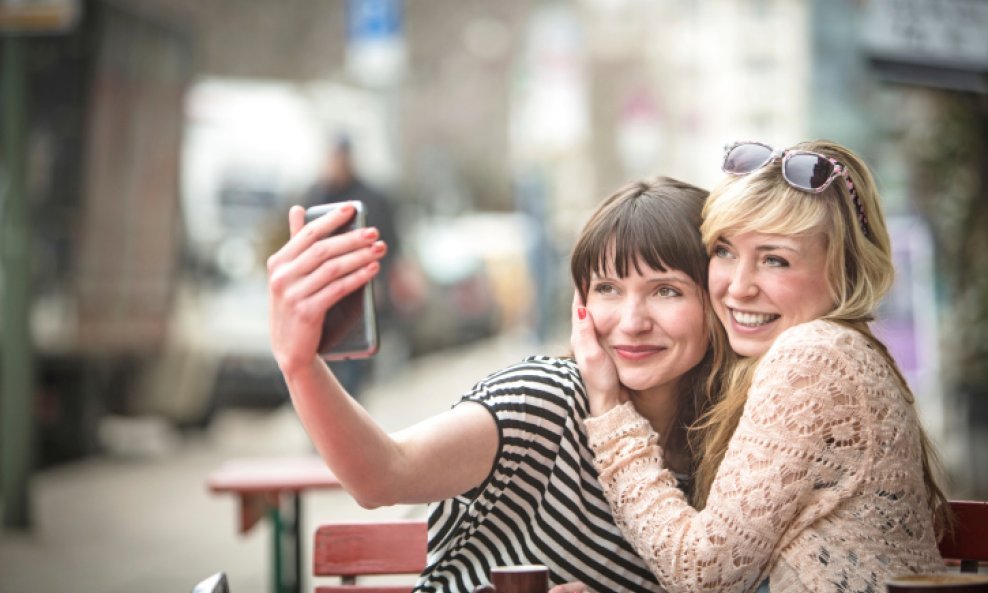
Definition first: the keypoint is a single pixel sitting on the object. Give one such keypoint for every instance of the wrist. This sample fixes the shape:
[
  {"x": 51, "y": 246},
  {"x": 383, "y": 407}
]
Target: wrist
[
  {"x": 604, "y": 401},
  {"x": 612, "y": 425},
  {"x": 301, "y": 370}
]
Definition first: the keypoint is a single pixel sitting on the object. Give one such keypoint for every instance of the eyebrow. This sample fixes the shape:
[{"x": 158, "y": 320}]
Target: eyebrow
[
  {"x": 766, "y": 247},
  {"x": 771, "y": 247},
  {"x": 663, "y": 277}
]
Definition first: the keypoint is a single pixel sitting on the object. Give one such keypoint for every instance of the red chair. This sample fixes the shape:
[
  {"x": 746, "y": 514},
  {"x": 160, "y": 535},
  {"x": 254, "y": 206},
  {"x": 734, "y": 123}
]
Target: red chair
[
  {"x": 969, "y": 542},
  {"x": 351, "y": 550}
]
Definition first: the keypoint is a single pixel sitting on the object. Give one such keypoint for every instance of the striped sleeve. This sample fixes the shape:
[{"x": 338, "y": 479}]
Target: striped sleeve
[
  {"x": 541, "y": 502},
  {"x": 530, "y": 402}
]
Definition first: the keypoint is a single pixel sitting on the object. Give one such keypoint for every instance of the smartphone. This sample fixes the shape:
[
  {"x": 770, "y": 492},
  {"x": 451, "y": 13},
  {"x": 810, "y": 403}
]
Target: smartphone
[{"x": 349, "y": 329}]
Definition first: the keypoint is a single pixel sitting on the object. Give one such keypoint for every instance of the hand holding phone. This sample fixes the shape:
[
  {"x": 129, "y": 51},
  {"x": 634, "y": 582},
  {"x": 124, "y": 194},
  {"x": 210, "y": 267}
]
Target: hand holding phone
[{"x": 350, "y": 326}]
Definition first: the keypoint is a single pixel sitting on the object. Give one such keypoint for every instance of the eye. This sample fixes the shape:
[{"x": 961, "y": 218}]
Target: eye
[
  {"x": 775, "y": 261},
  {"x": 721, "y": 251},
  {"x": 669, "y": 292},
  {"x": 604, "y": 288}
]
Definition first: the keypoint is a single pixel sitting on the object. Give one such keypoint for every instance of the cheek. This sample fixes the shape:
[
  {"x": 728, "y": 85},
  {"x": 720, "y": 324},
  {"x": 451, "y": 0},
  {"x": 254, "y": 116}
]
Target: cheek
[
  {"x": 810, "y": 296},
  {"x": 603, "y": 315},
  {"x": 688, "y": 324},
  {"x": 717, "y": 278},
  {"x": 821, "y": 303}
]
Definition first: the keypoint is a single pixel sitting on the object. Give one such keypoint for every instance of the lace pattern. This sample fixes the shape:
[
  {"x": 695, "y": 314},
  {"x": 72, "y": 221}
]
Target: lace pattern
[{"x": 821, "y": 485}]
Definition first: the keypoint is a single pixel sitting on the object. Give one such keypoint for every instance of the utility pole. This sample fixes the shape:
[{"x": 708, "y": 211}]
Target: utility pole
[
  {"x": 16, "y": 364},
  {"x": 17, "y": 442}
]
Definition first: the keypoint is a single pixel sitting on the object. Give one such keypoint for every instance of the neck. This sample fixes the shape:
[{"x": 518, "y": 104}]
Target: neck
[{"x": 659, "y": 406}]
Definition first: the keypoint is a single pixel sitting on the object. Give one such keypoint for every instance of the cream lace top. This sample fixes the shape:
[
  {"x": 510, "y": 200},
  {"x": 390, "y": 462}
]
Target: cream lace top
[{"x": 821, "y": 488}]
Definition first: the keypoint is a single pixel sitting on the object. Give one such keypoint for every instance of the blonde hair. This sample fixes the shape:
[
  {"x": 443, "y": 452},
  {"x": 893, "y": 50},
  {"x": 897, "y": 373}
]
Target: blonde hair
[{"x": 859, "y": 273}]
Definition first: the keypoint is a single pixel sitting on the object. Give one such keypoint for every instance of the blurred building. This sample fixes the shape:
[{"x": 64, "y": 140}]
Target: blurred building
[{"x": 515, "y": 116}]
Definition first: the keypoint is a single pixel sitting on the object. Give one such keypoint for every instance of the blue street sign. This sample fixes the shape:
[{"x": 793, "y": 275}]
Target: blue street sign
[{"x": 373, "y": 19}]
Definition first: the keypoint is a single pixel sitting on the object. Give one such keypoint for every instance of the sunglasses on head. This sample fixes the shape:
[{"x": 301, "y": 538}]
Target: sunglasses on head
[{"x": 806, "y": 171}]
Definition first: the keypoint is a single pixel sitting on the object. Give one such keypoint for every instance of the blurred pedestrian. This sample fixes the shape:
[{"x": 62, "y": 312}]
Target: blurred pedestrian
[{"x": 340, "y": 182}]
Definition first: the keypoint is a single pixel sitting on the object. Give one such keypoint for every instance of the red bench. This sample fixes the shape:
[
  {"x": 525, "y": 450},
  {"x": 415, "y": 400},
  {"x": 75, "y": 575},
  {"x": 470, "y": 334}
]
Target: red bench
[
  {"x": 968, "y": 545},
  {"x": 352, "y": 550}
]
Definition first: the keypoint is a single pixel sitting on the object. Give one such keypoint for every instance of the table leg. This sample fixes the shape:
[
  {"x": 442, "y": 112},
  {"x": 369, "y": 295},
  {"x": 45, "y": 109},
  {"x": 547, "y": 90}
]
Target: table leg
[
  {"x": 284, "y": 510},
  {"x": 286, "y": 525},
  {"x": 276, "y": 552},
  {"x": 297, "y": 517}
]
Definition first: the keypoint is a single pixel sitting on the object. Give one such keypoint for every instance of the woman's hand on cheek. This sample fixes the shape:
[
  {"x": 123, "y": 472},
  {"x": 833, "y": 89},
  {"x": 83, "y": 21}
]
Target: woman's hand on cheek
[{"x": 600, "y": 376}]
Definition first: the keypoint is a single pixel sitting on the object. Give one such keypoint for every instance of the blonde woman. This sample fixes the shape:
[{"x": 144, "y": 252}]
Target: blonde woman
[{"x": 815, "y": 474}]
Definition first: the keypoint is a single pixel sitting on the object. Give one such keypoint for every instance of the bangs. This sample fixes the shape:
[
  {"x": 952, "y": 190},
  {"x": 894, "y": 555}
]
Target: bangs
[
  {"x": 660, "y": 245},
  {"x": 653, "y": 223},
  {"x": 658, "y": 232},
  {"x": 758, "y": 203}
]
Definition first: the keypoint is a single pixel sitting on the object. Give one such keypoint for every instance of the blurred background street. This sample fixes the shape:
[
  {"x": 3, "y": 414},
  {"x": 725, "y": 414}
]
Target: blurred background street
[
  {"x": 141, "y": 518},
  {"x": 151, "y": 149}
]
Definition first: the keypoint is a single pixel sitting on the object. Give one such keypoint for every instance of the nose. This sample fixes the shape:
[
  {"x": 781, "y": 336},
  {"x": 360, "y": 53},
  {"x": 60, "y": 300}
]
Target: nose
[
  {"x": 743, "y": 285},
  {"x": 635, "y": 318}
]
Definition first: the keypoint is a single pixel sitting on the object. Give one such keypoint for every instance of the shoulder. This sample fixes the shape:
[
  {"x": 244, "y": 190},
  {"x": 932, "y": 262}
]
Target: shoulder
[
  {"x": 818, "y": 361},
  {"x": 372, "y": 196},
  {"x": 818, "y": 333},
  {"x": 538, "y": 377},
  {"x": 818, "y": 342},
  {"x": 538, "y": 370},
  {"x": 536, "y": 403}
]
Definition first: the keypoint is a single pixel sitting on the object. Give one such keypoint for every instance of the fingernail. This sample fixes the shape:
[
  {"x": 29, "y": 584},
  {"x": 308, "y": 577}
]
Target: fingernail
[
  {"x": 581, "y": 313},
  {"x": 370, "y": 233}
]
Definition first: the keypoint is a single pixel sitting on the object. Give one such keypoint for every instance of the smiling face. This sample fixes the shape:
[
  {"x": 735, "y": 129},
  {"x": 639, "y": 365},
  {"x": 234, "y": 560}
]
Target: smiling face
[
  {"x": 761, "y": 284},
  {"x": 650, "y": 323}
]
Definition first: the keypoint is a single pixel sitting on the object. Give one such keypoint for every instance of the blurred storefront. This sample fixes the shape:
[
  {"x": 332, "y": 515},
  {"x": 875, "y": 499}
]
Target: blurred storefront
[
  {"x": 155, "y": 195},
  {"x": 103, "y": 128},
  {"x": 931, "y": 62}
]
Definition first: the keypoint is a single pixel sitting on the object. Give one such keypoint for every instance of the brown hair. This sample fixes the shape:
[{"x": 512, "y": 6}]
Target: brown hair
[
  {"x": 656, "y": 222},
  {"x": 860, "y": 272}
]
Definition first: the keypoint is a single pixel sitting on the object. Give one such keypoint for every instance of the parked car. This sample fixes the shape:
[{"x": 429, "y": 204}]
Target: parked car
[{"x": 475, "y": 275}]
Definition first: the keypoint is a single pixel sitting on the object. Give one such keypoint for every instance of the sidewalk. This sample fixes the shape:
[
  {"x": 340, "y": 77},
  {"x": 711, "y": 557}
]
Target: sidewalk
[{"x": 148, "y": 523}]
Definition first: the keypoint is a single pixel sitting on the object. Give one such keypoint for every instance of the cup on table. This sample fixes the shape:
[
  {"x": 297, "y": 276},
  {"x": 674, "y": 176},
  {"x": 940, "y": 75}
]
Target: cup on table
[
  {"x": 526, "y": 578},
  {"x": 946, "y": 582}
]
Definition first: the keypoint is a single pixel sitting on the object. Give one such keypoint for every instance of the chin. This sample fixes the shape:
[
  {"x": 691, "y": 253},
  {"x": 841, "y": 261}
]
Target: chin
[
  {"x": 636, "y": 383},
  {"x": 750, "y": 348}
]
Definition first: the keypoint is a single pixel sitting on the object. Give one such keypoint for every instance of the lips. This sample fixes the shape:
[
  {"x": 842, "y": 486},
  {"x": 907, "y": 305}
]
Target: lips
[
  {"x": 635, "y": 352},
  {"x": 752, "y": 320}
]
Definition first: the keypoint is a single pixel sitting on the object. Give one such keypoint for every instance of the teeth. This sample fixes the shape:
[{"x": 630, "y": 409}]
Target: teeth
[{"x": 752, "y": 319}]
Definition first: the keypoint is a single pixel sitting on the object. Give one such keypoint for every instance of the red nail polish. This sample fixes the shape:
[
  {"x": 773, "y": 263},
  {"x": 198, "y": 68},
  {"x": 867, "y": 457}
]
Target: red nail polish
[{"x": 581, "y": 313}]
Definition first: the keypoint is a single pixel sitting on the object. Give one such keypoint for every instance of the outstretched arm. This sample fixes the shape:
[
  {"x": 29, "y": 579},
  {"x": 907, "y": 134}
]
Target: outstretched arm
[{"x": 310, "y": 273}]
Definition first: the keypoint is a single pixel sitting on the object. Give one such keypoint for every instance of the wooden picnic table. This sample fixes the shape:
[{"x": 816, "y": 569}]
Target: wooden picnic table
[{"x": 272, "y": 487}]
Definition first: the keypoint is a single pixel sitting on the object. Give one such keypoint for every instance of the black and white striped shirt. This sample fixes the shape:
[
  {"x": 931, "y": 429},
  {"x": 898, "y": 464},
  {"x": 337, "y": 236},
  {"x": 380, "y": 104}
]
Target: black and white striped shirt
[{"x": 541, "y": 503}]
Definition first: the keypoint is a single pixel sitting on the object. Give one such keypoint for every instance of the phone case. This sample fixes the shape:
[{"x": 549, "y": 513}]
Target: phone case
[{"x": 350, "y": 326}]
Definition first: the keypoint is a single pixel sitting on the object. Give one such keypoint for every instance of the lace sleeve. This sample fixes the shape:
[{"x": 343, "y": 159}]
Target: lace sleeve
[{"x": 786, "y": 466}]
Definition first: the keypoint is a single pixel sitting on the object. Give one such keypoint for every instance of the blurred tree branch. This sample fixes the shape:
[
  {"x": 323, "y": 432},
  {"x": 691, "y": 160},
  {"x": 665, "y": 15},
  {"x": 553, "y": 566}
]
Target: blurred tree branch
[{"x": 951, "y": 189}]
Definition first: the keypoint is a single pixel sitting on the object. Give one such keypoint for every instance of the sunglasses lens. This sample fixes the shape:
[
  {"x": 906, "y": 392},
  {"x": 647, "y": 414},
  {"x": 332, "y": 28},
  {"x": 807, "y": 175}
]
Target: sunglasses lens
[
  {"x": 745, "y": 158},
  {"x": 807, "y": 171}
]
